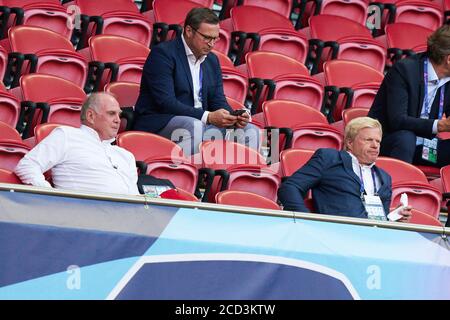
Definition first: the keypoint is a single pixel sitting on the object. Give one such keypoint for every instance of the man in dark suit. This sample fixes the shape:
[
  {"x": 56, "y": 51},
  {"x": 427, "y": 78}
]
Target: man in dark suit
[
  {"x": 344, "y": 183},
  {"x": 181, "y": 95},
  {"x": 411, "y": 101}
]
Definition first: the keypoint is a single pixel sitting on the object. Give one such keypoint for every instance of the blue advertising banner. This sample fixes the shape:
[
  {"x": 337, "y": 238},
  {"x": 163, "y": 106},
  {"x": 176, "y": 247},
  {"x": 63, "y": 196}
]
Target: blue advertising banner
[{"x": 56, "y": 247}]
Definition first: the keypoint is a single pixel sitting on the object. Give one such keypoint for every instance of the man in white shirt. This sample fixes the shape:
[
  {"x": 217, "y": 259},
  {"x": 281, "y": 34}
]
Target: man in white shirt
[
  {"x": 181, "y": 95},
  {"x": 83, "y": 159},
  {"x": 347, "y": 182}
]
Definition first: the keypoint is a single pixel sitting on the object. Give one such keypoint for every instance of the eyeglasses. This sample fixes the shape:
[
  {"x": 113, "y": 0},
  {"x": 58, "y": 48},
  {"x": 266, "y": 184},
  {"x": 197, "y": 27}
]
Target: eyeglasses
[{"x": 206, "y": 38}]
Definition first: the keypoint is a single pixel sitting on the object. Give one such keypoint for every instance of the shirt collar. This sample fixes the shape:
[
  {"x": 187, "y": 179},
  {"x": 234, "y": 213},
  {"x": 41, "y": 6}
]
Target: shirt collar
[
  {"x": 356, "y": 162},
  {"x": 189, "y": 52},
  {"x": 95, "y": 135},
  {"x": 433, "y": 77}
]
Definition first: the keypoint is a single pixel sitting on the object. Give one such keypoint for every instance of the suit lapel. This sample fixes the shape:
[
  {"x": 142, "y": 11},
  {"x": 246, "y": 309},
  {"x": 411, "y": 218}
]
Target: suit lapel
[
  {"x": 421, "y": 87},
  {"x": 347, "y": 162},
  {"x": 382, "y": 177},
  {"x": 181, "y": 54},
  {"x": 204, "y": 71}
]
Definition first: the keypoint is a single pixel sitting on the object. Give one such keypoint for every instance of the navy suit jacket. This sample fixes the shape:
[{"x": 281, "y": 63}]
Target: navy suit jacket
[
  {"x": 399, "y": 100},
  {"x": 335, "y": 186},
  {"x": 167, "y": 90}
]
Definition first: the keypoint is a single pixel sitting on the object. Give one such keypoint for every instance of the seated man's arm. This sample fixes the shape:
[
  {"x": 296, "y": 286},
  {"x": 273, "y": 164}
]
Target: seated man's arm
[
  {"x": 397, "y": 107},
  {"x": 132, "y": 172},
  {"x": 48, "y": 153},
  {"x": 295, "y": 188},
  {"x": 217, "y": 98},
  {"x": 159, "y": 74}
]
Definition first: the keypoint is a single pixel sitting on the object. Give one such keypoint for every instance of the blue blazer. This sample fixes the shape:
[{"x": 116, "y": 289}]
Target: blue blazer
[
  {"x": 399, "y": 100},
  {"x": 167, "y": 90},
  {"x": 335, "y": 186}
]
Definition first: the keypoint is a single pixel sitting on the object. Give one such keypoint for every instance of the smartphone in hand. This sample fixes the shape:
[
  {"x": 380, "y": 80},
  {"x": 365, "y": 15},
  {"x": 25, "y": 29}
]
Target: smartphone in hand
[{"x": 238, "y": 112}]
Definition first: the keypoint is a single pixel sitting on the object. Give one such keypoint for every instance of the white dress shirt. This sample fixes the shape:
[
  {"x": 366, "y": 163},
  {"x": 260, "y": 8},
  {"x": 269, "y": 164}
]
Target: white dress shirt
[
  {"x": 434, "y": 83},
  {"x": 80, "y": 161},
  {"x": 194, "y": 66},
  {"x": 367, "y": 177}
]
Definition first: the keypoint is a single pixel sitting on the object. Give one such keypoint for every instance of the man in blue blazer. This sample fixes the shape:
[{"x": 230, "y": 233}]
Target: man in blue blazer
[
  {"x": 181, "y": 95},
  {"x": 341, "y": 180},
  {"x": 411, "y": 101}
]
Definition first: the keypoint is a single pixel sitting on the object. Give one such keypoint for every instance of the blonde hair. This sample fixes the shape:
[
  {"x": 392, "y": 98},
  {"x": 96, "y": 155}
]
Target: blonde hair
[{"x": 353, "y": 127}]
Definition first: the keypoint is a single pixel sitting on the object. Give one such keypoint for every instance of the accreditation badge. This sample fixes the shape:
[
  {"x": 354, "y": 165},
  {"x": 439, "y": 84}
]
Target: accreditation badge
[
  {"x": 429, "y": 150},
  {"x": 374, "y": 208}
]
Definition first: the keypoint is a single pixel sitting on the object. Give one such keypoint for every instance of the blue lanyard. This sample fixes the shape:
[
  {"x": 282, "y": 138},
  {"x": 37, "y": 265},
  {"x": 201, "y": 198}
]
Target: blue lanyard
[
  {"x": 362, "y": 188},
  {"x": 441, "y": 96},
  {"x": 200, "y": 95}
]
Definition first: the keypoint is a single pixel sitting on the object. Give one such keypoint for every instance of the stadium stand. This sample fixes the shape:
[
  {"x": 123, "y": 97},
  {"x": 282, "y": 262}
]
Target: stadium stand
[{"x": 267, "y": 52}]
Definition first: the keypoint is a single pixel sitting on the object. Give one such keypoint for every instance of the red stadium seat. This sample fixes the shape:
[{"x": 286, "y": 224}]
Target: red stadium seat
[
  {"x": 41, "y": 131},
  {"x": 54, "y": 54},
  {"x": 7, "y": 176},
  {"x": 164, "y": 158},
  {"x": 400, "y": 43},
  {"x": 245, "y": 199},
  {"x": 169, "y": 17},
  {"x": 3, "y": 62},
  {"x": 419, "y": 217},
  {"x": 358, "y": 82},
  {"x": 347, "y": 39},
  {"x": 293, "y": 159},
  {"x": 11, "y": 153},
  {"x": 57, "y": 100},
  {"x": 282, "y": 7},
  {"x": 113, "y": 17},
  {"x": 274, "y": 31},
  {"x": 421, "y": 196},
  {"x": 241, "y": 168},
  {"x": 126, "y": 94},
  {"x": 352, "y": 113},
  {"x": 235, "y": 84},
  {"x": 310, "y": 129},
  {"x": 421, "y": 12},
  {"x": 275, "y": 76},
  {"x": 9, "y": 109},
  {"x": 401, "y": 171},
  {"x": 187, "y": 195},
  {"x": 445, "y": 177},
  {"x": 48, "y": 14},
  {"x": 125, "y": 56},
  {"x": 355, "y": 10},
  {"x": 145, "y": 145},
  {"x": 8, "y": 132},
  {"x": 408, "y": 179}
]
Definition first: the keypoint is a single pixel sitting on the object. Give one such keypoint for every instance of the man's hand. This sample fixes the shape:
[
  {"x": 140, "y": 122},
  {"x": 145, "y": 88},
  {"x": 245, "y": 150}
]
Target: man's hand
[
  {"x": 406, "y": 213},
  {"x": 444, "y": 125},
  {"x": 242, "y": 120},
  {"x": 221, "y": 118}
]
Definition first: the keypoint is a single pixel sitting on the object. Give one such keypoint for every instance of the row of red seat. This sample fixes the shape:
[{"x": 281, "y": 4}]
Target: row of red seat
[
  {"x": 252, "y": 25},
  {"x": 235, "y": 166}
]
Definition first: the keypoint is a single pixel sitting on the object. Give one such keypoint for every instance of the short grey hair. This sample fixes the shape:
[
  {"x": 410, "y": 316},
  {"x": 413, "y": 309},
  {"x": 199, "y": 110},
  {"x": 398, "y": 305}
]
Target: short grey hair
[
  {"x": 356, "y": 125},
  {"x": 94, "y": 102}
]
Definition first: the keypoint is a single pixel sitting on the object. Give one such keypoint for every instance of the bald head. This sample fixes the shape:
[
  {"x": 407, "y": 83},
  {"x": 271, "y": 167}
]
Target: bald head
[{"x": 101, "y": 112}]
